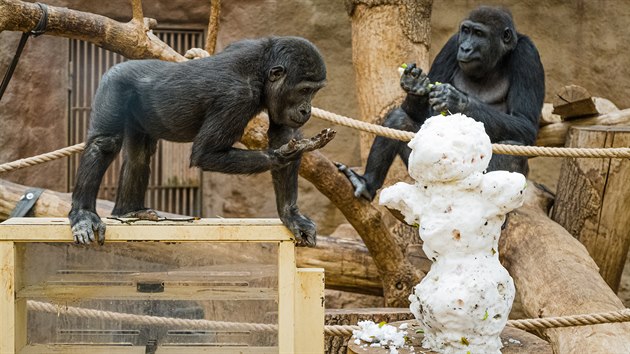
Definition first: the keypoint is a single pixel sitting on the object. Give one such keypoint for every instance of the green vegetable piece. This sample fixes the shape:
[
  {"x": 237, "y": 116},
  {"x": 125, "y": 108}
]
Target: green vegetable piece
[
  {"x": 485, "y": 317},
  {"x": 419, "y": 330},
  {"x": 493, "y": 251},
  {"x": 468, "y": 352},
  {"x": 416, "y": 225},
  {"x": 443, "y": 113},
  {"x": 381, "y": 324},
  {"x": 465, "y": 341},
  {"x": 403, "y": 65}
]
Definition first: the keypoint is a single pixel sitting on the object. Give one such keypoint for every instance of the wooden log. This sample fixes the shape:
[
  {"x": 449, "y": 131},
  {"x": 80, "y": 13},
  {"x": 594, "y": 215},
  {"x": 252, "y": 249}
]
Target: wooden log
[
  {"x": 573, "y": 101},
  {"x": 348, "y": 264},
  {"x": 555, "y": 276},
  {"x": 593, "y": 200},
  {"x": 555, "y": 134},
  {"x": 338, "y": 345}
]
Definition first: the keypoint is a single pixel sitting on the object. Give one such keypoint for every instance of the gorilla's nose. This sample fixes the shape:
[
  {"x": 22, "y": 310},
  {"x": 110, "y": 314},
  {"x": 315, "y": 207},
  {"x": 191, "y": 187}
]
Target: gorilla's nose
[{"x": 306, "y": 113}]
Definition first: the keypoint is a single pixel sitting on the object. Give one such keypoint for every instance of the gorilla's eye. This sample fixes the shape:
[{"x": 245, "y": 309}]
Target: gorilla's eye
[
  {"x": 465, "y": 30},
  {"x": 479, "y": 33}
]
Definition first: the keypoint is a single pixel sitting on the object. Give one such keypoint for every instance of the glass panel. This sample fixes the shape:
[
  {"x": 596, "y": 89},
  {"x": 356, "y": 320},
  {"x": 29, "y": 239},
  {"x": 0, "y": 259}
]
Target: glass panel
[{"x": 229, "y": 282}]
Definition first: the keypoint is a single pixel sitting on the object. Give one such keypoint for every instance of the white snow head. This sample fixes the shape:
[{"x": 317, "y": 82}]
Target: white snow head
[{"x": 449, "y": 148}]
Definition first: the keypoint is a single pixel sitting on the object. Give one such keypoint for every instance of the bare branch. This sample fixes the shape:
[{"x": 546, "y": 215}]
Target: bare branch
[
  {"x": 133, "y": 39},
  {"x": 213, "y": 26},
  {"x": 136, "y": 8}
]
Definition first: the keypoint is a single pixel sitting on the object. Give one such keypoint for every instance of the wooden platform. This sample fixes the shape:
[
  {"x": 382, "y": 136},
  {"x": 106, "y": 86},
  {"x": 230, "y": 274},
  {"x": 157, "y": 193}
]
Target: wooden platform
[{"x": 515, "y": 341}]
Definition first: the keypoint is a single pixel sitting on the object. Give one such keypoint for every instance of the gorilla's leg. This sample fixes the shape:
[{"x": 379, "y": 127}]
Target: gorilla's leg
[
  {"x": 100, "y": 151},
  {"x": 382, "y": 155},
  {"x": 134, "y": 176}
]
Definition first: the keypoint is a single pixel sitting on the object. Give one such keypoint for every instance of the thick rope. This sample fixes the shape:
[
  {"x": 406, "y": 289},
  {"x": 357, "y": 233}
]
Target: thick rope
[
  {"x": 337, "y": 331},
  {"x": 148, "y": 320},
  {"x": 36, "y": 160},
  {"x": 496, "y": 148},
  {"x": 374, "y": 129}
]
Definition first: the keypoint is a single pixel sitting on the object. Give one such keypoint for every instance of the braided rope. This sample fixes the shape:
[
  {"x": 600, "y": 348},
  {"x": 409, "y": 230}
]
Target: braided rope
[
  {"x": 148, "y": 320},
  {"x": 336, "y": 331},
  {"x": 570, "y": 321},
  {"x": 374, "y": 129},
  {"x": 496, "y": 148},
  {"x": 36, "y": 160}
]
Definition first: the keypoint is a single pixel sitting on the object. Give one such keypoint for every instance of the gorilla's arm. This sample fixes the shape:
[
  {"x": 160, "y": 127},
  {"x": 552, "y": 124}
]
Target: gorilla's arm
[{"x": 285, "y": 184}]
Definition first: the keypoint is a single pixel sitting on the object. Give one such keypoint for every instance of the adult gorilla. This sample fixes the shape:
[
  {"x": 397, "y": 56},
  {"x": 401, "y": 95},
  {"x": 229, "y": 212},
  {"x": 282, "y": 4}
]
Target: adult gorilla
[
  {"x": 207, "y": 101},
  {"x": 486, "y": 71}
]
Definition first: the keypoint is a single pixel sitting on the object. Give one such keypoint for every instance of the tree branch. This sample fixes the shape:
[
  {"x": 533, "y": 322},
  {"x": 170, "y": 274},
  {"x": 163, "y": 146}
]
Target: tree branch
[
  {"x": 133, "y": 39},
  {"x": 396, "y": 271},
  {"x": 213, "y": 26}
]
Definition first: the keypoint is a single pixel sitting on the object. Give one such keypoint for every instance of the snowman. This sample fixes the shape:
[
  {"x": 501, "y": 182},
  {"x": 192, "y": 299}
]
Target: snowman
[{"x": 464, "y": 301}]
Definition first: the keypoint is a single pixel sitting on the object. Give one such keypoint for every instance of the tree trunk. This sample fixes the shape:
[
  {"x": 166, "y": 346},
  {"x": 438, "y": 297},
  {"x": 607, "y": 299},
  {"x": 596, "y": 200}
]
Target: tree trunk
[
  {"x": 386, "y": 34},
  {"x": 593, "y": 202},
  {"x": 555, "y": 276}
]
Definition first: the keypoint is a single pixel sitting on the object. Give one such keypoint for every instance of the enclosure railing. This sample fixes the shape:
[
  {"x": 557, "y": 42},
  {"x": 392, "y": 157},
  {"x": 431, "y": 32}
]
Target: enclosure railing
[{"x": 300, "y": 291}]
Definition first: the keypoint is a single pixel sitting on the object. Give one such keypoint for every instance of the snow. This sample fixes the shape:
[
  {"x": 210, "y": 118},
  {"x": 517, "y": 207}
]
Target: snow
[
  {"x": 380, "y": 335},
  {"x": 464, "y": 301}
]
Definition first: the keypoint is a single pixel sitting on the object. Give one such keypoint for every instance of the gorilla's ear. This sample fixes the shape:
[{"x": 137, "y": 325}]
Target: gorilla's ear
[
  {"x": 276, "y": 72},
  {"x": 508, "y": 37}
]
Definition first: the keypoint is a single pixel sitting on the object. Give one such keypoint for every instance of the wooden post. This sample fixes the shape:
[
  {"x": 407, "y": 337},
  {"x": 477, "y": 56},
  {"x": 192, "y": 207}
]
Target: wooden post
[
  {"x": 286, "y": 298},
  {"x": 12, "y": 312},
  {"x": 593, "y": 199},
  {"x": 309, "y": 311}
]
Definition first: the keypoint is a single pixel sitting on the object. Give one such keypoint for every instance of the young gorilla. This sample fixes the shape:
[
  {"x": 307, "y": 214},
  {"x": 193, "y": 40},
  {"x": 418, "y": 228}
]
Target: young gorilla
[
  {"x": 488, "y": 72},
  {"x": 207, "y": 101}
]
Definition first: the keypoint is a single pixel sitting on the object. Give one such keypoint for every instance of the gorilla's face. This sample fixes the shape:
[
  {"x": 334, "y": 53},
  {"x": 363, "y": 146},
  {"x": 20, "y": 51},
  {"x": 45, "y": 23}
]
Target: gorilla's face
[
  {"x": 297, "y": 73},
  {"x": 481, "y": 47}
]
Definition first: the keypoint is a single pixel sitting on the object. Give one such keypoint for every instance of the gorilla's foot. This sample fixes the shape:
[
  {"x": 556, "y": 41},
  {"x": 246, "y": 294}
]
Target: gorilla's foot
[{"x": 87, "y": 227}]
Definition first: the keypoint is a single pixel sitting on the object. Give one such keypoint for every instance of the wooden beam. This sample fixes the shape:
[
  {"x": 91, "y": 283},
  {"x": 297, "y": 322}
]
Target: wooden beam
[{"x": 216, "y": 230}]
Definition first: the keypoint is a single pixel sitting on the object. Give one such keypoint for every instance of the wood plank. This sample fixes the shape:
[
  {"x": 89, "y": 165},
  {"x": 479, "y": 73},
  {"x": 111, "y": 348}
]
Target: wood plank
[
  {"x": 8, "y": 325},
  {"x": 55, "y": 292},
  {"x": 111, "y": 349},
  {"x": 309, "y": 310},
  {"x": 216, "y": 230},
  {"x": 286, "y": 297}
]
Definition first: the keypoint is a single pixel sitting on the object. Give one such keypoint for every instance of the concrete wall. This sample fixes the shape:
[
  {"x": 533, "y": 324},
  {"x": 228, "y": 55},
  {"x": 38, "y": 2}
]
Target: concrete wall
[{"x": 580, "y": 42}]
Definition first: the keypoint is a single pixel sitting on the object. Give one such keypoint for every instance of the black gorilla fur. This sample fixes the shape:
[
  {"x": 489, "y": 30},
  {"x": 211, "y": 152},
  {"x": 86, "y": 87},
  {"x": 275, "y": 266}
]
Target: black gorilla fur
[
  {"x": 488, "y": 72},
  {"x": 207, "y": 101}
]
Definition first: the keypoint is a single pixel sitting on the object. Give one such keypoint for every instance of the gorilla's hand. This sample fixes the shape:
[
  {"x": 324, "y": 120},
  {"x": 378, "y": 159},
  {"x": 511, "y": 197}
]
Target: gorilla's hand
[
  {"x": 86, "y": 227},
  {"x": 302, "y": 227},
  {"x": 294, "y": 149},
  {"x": 446, "y": 98},
  {"x": 414, "y": 81},
  {"x": 358, "y": 182}
]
